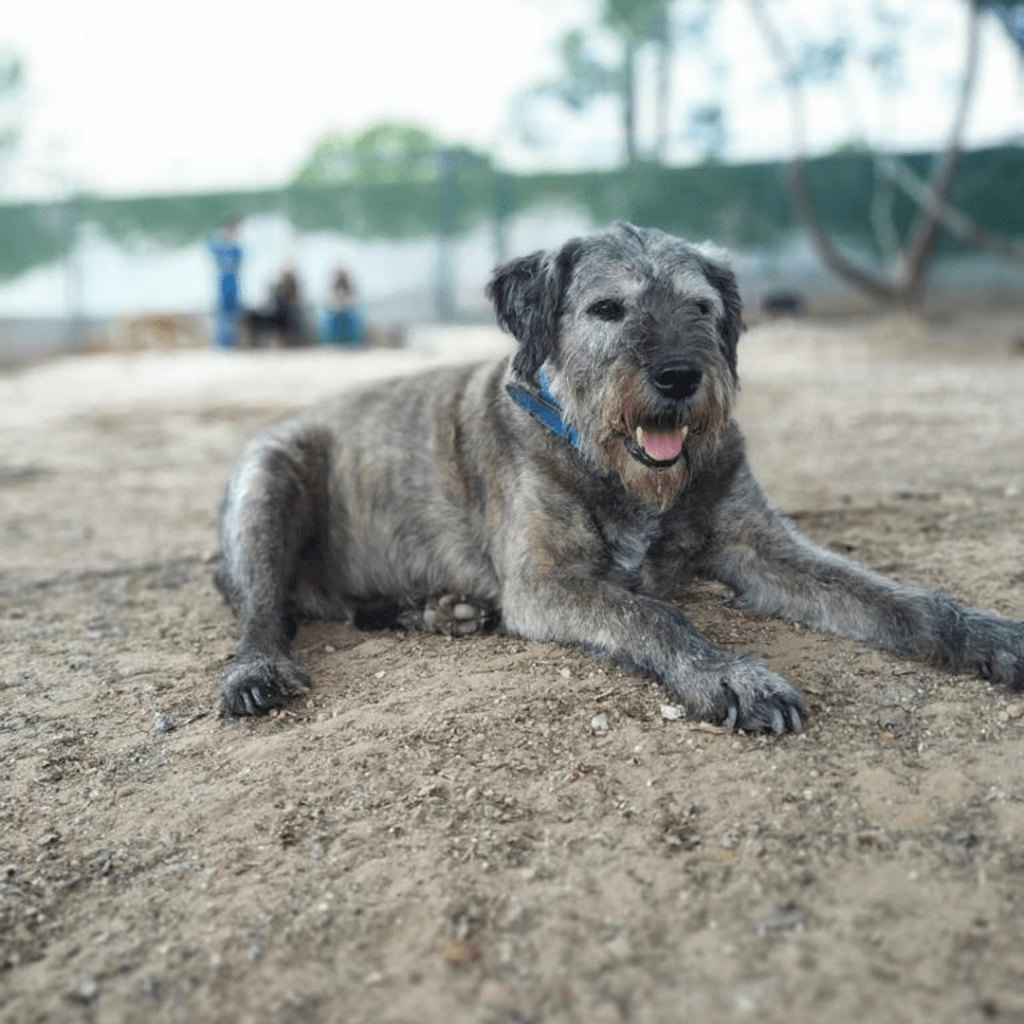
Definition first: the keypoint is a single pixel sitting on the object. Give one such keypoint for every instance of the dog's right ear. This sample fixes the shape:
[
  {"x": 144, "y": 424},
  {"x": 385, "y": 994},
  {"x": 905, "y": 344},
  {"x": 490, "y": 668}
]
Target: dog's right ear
[
  {"x": 527, "y": 296},
  {"x": 717, "y": 270}
]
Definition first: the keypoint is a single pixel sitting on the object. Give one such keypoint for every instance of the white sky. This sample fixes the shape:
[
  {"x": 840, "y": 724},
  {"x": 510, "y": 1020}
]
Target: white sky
[{"x": 126, "y": 98}]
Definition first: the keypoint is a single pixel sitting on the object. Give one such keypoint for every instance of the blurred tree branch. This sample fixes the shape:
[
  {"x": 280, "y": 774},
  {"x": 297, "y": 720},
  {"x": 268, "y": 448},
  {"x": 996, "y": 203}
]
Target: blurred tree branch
[
  {"x": 1011, "y": 15},
  {"x": 952, "y": 218}
]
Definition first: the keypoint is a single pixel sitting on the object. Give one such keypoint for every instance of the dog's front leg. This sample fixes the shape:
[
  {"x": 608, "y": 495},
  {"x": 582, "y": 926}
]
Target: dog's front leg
[
  {"x": 272, "y": 510},
  {"x": 658, "y": 638},
  {"x": 776, "y": 571}
]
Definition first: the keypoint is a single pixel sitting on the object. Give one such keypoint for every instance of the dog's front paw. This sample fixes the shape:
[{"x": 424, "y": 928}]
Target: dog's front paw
[
  {"x": 255, "y": 683},
  {"x": 745, "y": 695},
  {"x": 997, "y": 653}
]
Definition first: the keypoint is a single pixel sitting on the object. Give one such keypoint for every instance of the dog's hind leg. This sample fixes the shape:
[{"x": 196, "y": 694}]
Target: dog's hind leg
[{"x": 273, "y": 511}]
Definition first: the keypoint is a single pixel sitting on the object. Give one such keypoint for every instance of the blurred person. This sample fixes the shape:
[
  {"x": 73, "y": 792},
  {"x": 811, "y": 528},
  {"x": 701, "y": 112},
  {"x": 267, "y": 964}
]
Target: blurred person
[
  {"x": 343, "y": 323},
  {"x": 228, "y": 255},
  {"x": 283, "y": 315}
]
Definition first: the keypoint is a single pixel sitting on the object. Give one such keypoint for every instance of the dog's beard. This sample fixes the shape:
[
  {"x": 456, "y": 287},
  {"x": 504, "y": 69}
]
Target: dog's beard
[
  {"x": 655, "y": 460},
  {"x": 657, "y": 485}
]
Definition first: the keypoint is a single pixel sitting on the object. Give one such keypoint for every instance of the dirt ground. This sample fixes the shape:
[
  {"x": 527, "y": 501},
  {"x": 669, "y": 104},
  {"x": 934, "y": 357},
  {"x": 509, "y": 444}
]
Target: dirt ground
[{"x": 450, "y": 831}]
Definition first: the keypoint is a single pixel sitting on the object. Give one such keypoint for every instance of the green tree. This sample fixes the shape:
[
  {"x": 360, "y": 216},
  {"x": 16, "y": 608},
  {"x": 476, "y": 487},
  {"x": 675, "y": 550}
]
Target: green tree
[
  {"x": 707, "y": 130},
  {"x": 12, "y": 80},
  {"x": 635, "y": 26},
  {"x": 639, "y": 23},
  {"x": 385, "y": 153}
]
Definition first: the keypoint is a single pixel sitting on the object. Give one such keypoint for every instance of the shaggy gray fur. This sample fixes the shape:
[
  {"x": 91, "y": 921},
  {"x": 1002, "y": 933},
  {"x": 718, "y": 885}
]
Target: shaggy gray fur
[{"x": 441, "y": 499}]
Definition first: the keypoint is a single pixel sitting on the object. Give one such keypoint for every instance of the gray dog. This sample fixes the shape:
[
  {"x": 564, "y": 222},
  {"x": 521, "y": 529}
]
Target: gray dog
[{"x": 575, "y": 491}]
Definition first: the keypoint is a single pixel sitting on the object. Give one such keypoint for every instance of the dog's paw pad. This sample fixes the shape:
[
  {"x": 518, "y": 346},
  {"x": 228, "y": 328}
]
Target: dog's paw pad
[
  {"x": 456, "y": 615},
  {"x": 255, "y": 684}
]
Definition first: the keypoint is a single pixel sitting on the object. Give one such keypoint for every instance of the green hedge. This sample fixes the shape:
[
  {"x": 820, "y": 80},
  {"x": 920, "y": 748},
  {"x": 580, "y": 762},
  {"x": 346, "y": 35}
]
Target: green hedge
[{"x": 740, "y": 205}]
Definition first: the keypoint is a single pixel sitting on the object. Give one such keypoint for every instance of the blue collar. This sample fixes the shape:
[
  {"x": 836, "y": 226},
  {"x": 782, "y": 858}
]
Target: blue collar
[{"x": 544, "y": 407}]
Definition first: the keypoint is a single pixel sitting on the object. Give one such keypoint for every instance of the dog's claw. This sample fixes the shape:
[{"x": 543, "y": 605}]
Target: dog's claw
[
  {"x": 257, "y": 683},
  {"x": 757, "y": 700},
  {"x": 732, "y": 715}
]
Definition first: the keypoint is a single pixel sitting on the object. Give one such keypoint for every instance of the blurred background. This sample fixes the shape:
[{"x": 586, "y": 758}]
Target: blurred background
[{"x": 853, "y": 154}]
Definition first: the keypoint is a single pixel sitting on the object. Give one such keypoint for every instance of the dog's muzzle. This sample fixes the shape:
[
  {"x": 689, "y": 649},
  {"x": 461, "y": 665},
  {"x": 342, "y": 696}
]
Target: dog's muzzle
[{"x": 659, "y": 446}]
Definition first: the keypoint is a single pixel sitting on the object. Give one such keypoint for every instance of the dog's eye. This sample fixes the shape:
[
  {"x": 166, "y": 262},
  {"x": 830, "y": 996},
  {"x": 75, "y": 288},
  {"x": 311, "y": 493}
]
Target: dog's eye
[
  {"x": 702, "y": 306},
  {"x": 608, "y": 309}
]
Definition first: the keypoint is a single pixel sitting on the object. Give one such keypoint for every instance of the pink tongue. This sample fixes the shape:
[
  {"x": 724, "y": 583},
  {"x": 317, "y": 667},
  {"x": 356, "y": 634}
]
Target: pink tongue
[{"x": 662, "y": 446}]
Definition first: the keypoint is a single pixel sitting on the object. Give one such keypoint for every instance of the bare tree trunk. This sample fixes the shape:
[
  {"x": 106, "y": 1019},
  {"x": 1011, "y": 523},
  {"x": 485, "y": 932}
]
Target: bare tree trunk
[
  {"x": 664, "y": 43},
  {"x": 629, "y": 101},
  {"x": 882, "y": 224},
  {"x": 907, "y": 286},
  {"x": 876, "y": 285},
  {"x": 925, "y": 230}
]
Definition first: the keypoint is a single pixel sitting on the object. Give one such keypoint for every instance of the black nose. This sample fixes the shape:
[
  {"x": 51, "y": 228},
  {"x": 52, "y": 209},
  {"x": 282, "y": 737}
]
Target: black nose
[{"x": 677, "y": 381}]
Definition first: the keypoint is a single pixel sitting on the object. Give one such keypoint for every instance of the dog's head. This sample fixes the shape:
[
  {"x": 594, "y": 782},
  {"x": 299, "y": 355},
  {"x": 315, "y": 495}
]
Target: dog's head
[{"x": 637, "y": 331}]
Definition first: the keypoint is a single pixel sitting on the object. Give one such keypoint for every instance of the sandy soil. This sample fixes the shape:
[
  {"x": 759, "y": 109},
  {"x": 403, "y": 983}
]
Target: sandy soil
[{"x": 439, "y": 833}]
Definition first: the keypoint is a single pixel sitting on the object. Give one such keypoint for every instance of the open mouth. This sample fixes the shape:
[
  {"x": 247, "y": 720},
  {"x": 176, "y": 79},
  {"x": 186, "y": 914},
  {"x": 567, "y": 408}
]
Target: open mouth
[{"x": 659, "y": 449}]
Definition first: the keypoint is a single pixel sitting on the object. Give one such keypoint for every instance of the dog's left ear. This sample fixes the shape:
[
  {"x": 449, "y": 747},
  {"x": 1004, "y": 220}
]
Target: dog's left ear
[
  {"x": 527, "y": 296},
  {"x": 721, "y": 276}
]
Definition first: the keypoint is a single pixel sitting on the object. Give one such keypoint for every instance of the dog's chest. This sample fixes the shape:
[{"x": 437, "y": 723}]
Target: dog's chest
[{"x": 626, "y": 545}]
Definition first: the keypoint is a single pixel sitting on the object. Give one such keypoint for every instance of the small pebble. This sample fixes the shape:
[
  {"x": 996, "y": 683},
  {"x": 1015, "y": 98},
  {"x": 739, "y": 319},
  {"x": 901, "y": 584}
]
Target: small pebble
[
  {"x": 329, "y": 648},
  {"x": 783, "y": 919},
  {"x": 459, "y": 953},
  {"x": 671, "y": 713},
  {"x": 86, "y": 990},
  {"x": 162, "y": 722},
  {"x": 1015, "y": 710},
  {"x": 599, "y": 725}
]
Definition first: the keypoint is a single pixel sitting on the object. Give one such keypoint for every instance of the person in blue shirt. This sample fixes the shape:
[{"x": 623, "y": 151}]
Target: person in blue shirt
[
  {"x": 343, "y": 322},
  {"x": 228, "y": 254}
]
